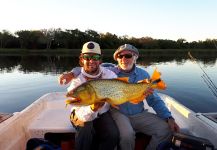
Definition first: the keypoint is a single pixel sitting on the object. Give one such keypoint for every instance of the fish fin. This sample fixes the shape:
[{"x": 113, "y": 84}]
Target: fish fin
[
  {"x": 137, "y": 100},
  {"x": 161, "y": 85},
  {"x": 158, "y": 84},
  {"x": 110, "y": 102},
  {"x": 156, "y": 75},
  {"x": 125, "y": 79},
  {"x": 156, "y": 81},
  {"x": 115, "y": 106},
  {"x": 67, "y": 103}
]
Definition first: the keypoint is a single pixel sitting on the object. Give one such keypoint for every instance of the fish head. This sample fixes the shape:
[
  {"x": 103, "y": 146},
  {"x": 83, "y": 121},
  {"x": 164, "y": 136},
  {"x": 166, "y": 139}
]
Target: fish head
[{"x": 82, "y": 95}]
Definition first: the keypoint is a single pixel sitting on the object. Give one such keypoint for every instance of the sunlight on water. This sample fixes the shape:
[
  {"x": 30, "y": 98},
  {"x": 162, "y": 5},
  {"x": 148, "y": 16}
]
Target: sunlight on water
[{"x": 25, "y": 79}]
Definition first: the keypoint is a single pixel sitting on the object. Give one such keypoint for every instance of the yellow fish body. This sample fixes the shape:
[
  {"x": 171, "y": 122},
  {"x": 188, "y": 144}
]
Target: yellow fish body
[{"x": 114, "y": 91}]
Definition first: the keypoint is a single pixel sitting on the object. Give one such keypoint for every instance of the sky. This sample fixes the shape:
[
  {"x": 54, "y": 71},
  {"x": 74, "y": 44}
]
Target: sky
[{"x": 192, "y": 20}]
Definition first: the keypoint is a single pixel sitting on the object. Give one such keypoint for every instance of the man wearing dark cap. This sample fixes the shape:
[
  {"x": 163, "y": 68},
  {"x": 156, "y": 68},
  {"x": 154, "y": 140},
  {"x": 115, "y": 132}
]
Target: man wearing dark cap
[{"x": 131, "y": 118}]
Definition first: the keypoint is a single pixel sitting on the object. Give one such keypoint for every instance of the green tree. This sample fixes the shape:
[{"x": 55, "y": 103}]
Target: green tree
[
  {"x": 49, "y": 36},
  {"x": 93, "y": 35},
  {"x": 23, "y": 37},
  {"x": 182, "y": 43},
  {"x": 7, "y": 40},
  {"x": 1, "y": 40},
  {"x": 109, "y": 40}
]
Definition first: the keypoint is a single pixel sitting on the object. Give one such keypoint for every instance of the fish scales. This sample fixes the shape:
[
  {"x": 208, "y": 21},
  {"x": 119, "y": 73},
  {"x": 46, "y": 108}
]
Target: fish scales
[
  {"x": 117, "y": 91},
  {"x": 114, "y": 91}
]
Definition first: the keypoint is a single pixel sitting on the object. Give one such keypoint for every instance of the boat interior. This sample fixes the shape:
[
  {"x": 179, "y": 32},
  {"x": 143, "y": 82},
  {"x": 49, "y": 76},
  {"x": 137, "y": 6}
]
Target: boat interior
[{"x": 48, "y": 118}]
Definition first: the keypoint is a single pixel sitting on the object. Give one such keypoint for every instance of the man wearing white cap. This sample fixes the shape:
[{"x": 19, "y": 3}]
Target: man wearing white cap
[
  {"x": 131, "y": 118},
  {"x": 95, "y": 127}
]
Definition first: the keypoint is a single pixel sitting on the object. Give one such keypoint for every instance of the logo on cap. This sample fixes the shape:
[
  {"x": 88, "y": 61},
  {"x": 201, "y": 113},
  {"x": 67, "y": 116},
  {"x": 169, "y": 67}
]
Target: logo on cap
[{"x": 90, "y": 46}]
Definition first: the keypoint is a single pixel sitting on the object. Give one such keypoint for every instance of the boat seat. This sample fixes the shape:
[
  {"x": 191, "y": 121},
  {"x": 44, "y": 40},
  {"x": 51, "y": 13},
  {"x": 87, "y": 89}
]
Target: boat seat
[
  {"x": 58, "y": 129},
  {"x": 58, "y": 122}
]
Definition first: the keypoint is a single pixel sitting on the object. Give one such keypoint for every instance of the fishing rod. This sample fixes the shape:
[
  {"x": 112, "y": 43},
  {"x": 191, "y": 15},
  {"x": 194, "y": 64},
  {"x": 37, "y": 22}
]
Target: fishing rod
[
  {"x": 208, "y": 85},
  {"x": 205, "y": 77},
  {"x": 205, "y": 74}
]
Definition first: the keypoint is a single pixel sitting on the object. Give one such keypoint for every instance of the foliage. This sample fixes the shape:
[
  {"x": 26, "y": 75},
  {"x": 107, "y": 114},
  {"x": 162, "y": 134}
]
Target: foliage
[{"x": 74, "y": 39}]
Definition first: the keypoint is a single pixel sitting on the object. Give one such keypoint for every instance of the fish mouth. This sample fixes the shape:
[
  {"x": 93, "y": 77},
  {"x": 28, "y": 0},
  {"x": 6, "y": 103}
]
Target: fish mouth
[
  {"x": 73, "y": 101},
  {"x": 70, "y": 95}
]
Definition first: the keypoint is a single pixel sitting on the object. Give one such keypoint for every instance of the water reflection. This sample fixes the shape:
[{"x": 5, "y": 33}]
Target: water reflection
[
  {"x": 25, "y": 78},
  {"x": 42, "y": 64},
  {"x": 55, "y": 64}
]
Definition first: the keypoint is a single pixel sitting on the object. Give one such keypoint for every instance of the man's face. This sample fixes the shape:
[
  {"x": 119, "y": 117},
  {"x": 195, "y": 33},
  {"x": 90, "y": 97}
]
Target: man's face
[
  {"x": 126, "y": 60},
  {"x": 91, "y": 62}
]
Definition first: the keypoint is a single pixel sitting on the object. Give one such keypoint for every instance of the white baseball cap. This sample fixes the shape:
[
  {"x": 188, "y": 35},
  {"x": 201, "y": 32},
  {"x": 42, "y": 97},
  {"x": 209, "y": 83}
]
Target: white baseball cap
[{"x": 91, "y": 47}]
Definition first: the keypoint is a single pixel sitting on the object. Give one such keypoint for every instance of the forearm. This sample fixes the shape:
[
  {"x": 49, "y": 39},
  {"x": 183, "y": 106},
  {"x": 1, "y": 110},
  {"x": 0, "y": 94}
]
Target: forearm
[
  {"x": 65, "y": 78},
  {"x": 158, "y": 105},
  {"x": 76, "y": 71}
]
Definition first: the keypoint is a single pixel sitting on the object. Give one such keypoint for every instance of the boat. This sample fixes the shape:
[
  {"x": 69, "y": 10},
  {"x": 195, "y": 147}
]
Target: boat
[{"x": 48, "y": 117}]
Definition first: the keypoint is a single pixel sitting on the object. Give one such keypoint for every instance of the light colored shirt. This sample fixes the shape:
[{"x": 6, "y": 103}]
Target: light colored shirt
[{"x": 85, "y": 113}]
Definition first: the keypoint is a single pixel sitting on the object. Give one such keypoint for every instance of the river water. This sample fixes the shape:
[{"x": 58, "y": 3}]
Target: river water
[{"x": 26, "y": 77}]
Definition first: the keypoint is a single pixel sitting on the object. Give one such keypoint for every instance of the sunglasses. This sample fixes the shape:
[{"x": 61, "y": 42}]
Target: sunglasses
[
  {"x": 91, "y": 57},
  {"x": 127, "y": 56}
]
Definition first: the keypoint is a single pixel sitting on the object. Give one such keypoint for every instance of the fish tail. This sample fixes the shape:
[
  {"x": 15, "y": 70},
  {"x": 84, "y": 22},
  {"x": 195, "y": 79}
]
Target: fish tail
[{"x": 156, "y": 81}]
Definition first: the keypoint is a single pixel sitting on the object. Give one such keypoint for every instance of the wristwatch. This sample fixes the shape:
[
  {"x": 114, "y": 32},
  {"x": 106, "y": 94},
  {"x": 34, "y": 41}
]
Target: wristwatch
[{"x": 167, "y": 119}]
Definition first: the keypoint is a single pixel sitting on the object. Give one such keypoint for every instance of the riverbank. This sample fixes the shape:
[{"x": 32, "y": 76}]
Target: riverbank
[{"x": 104, "y": 51}]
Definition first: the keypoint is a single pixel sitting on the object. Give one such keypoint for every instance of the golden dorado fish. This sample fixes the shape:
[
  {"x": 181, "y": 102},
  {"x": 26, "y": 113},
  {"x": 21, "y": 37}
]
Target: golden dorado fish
[{"x": 114, "y": 91}]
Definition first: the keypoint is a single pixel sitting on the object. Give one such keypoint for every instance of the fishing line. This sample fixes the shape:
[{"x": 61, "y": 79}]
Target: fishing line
[
  {"x": 205, "y": 74},
  {"x": 205, "y": 77},
  {"x": 213, "y": 92},
  {"x": 209, "y": 82}
]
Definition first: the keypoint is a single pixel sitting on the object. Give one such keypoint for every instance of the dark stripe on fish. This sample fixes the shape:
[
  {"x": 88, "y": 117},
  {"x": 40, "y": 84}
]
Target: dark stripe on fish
[{"x": 156, "y": 81}]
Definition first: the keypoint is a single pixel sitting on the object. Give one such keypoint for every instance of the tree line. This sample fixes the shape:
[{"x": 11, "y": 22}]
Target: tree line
[{"x": 74, "y": 39}]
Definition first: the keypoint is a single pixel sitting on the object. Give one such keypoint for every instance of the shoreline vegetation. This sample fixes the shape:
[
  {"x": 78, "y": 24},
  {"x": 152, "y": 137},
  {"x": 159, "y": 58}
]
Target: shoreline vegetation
[
  {"x": 144, "y": 53},
  {"x": 104, "y": 51},
  {"x": 56, "y": 39}
]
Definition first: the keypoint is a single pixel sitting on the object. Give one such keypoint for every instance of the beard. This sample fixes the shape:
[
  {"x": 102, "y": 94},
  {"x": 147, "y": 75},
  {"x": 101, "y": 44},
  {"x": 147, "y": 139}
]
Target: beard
[
  {"x": 126, "y": 67},
  {"x": 93, "y": 70}
]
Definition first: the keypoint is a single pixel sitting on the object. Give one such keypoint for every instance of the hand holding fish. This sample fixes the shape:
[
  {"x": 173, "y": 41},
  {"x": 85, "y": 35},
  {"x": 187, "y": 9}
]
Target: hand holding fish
[
  {"x": 65, "y": 78},
  {"x": 148, "y": 92},
  {"x": 74, "y": 119},
  {"x": 173, "y": 125}
]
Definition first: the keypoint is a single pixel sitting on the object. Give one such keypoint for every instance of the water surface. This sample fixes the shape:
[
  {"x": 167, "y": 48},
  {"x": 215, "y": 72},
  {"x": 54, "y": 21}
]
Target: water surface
[{"x": 25, "y": 78}]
